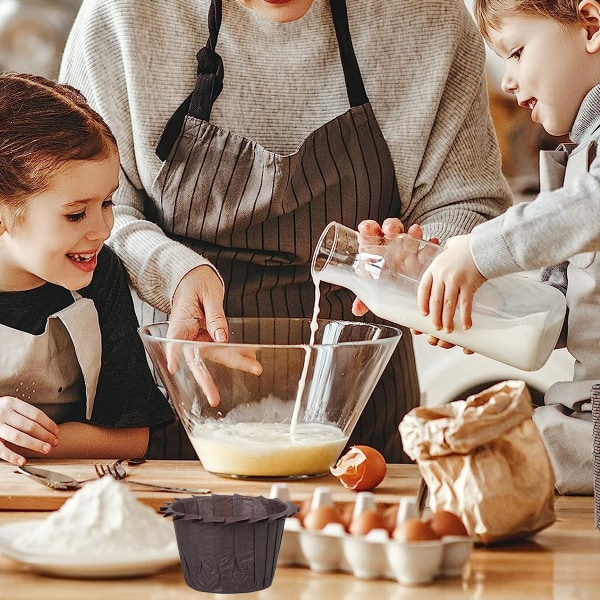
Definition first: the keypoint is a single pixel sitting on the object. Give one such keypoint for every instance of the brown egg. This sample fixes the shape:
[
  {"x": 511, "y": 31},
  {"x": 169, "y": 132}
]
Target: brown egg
[
  {"x": 415, "y": 530},
  {"x": 318, "y": 517},
  {"x": 346, "y": 510},
  {"x": 361, "y": 468},
  {"x": 444, "y": 523},
  {"x": 304, "y": 509},
  {"x": 391, "y": 516},
  {"x": 367, "y": 521}
]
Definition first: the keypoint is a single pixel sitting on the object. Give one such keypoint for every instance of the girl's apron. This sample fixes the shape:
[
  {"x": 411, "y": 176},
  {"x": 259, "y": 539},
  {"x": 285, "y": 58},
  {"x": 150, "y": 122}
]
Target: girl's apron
[
  {"x": 58, "y": 369},
  {"x": 257, "y": 215}
]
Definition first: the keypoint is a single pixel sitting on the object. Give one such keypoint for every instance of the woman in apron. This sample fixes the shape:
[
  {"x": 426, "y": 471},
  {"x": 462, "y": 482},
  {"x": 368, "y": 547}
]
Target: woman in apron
[
  {"x": 293, "y": 114},
  {"x": 73, "y": 376}
]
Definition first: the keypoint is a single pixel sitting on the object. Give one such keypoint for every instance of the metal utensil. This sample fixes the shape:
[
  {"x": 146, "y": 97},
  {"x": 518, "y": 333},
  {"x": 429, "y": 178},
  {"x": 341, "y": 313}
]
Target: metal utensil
[
  {"x": 52, "y": 479},
  {"x": 117, "y": 470},
  {"x": 133, "y": 462}
]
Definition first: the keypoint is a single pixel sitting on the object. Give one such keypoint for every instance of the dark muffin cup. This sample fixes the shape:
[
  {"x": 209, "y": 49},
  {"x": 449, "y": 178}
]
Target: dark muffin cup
[{"x": 229, "y": 544}]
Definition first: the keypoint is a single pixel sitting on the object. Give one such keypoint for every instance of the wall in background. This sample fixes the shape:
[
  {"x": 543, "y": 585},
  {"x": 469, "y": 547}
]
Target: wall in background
[
  {"x": 32, "y": 37},
  {"x": 33, "y": 34}
]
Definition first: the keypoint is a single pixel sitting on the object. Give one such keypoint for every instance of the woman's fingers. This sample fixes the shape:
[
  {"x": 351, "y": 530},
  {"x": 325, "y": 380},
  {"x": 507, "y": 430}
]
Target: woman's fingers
[
  {"x": 359, "y": 308},
  {"x": 191, "y": 329},
  {"x": 231, "y": 357},
  {"x": 196, "y": 355},
  {"x": 202, "y": 375},
  {"x": 392, "y": 227},
  {"x": 199, "y": 295},
  {"x": 415, "y": 231},
  {"x": 234, "y": 358},
  {"x": 368, "y": 230}
]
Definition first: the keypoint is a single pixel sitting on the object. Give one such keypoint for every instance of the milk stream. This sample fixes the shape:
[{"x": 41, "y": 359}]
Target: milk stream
[{"x": 314, "y": 326}]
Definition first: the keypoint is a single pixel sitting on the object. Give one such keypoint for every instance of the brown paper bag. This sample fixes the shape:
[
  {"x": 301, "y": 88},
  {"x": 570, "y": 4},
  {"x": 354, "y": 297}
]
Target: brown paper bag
[{"x": 484, "y": 460}]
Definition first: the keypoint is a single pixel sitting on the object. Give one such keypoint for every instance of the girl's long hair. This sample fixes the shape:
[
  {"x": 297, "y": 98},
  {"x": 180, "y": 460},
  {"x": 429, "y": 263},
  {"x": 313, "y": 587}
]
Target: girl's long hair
[{"x": 43, "y": 125}]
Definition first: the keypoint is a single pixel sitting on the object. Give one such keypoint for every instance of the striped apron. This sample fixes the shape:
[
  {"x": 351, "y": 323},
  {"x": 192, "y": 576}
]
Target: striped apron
[{"x": 257, "y": 215}]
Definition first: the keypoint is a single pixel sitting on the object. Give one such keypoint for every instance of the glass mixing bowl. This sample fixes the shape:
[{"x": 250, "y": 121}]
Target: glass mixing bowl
[{"x": 291, "y": 420}]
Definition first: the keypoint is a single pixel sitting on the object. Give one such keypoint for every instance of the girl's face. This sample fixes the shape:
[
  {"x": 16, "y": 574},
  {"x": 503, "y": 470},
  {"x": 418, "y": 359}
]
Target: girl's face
[
  {"x": 549, "y": 67},
  {"x": 279, "y": 11},
  {"x": 63, "y": 228}
]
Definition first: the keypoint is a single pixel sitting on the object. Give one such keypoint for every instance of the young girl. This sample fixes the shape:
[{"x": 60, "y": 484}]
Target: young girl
[
  {"x": 551, "y": 51},
  {"x": 74, "y": 381}
]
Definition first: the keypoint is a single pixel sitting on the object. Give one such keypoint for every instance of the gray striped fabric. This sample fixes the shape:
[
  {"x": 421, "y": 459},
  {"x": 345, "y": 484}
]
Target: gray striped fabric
[
  {"x": 595, "y": 395},
  {"x": 258, "y": 215}
]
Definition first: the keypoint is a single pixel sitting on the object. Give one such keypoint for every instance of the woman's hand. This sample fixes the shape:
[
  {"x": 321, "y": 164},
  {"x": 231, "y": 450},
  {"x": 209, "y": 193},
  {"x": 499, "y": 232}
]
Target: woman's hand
[
  {"x": 197, "y": 307},
  {"x": 371, "y": 233},
  {"x": 22, "y": 425},
  {"x": 198, "y": 315},
  {"x": 450, "y": 282}
]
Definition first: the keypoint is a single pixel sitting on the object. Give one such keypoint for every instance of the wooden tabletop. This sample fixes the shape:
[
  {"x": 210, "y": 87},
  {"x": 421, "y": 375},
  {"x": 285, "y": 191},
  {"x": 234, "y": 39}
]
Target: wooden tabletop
[
  {"x": 559, "y": 563},
  {"x": 19, "y": 492}
]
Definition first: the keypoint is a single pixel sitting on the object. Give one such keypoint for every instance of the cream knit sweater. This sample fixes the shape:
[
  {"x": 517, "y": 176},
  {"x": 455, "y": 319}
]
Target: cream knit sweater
[{"x": 423, "y": 68}]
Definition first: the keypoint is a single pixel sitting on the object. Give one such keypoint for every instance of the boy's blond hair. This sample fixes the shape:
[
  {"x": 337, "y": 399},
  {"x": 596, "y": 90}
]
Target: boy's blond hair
[{"x": 489, "y": 13}]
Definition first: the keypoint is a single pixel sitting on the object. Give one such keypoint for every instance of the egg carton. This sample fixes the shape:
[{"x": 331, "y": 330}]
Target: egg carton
[{"x": 372, "y": 556}]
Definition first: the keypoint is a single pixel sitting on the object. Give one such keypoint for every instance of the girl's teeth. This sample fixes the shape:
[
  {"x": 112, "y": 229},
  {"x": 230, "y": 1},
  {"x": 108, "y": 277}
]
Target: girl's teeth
[{"x": 81, "y": 257}]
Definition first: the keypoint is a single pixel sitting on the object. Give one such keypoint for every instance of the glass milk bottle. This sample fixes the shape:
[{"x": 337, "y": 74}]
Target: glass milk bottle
[{"x": 516, "y": 320}]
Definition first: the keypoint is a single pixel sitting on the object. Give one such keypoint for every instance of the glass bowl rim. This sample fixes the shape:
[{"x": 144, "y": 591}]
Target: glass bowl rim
[{"x": 395, "y": 334}]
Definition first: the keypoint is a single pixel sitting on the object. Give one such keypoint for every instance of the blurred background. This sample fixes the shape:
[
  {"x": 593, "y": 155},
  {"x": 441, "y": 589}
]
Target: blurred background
[
  {"x": 32, "y": 37},
  {"x": 33, "y": 34}
]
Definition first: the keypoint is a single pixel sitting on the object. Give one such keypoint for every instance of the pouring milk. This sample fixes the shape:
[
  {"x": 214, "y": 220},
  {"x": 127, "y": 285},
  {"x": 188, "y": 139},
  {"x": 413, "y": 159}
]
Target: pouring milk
[{"x": 516, "y": 320}]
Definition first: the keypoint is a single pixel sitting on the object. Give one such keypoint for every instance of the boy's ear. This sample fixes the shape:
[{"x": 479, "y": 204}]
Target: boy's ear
[{"x": 589, "y": 13}]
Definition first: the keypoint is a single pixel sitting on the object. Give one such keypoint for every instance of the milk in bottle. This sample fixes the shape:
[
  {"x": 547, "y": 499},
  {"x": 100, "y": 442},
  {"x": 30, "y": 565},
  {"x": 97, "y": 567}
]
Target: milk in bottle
[{"x": 516, "y": 320}]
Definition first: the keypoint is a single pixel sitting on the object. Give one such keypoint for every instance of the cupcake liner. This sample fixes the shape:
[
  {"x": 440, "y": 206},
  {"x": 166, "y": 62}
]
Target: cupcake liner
[{"x": 229, "y": 544}]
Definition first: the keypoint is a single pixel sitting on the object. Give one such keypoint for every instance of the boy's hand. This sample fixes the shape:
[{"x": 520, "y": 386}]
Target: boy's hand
[
  {"x": 22, "y": 425},
  {"x": 450, "y": 282}
]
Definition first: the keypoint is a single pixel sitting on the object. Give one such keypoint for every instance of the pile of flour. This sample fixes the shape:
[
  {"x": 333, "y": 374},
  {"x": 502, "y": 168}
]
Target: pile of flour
[{"x": 102, "y": 517}]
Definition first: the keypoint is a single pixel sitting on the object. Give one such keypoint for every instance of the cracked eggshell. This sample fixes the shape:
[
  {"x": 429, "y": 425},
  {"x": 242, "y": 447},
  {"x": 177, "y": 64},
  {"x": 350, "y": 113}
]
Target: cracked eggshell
[{"x": 362, "y": 468}]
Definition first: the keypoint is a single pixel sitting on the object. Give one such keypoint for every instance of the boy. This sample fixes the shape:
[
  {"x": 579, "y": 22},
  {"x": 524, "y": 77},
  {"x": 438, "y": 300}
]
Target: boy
[{"x": 551, "y": 51}]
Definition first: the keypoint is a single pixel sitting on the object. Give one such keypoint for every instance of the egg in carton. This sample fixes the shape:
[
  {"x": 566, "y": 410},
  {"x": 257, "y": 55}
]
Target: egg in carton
[{"x": 370, "y": 548}]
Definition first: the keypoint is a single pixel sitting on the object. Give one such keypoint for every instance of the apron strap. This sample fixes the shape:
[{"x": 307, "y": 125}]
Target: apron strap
[
  {"x": 81, "y": 322},
  {"x": 354, "y": 81},
  {"x": 209, "y": 84},
  {"x": 209, "y": 80}
]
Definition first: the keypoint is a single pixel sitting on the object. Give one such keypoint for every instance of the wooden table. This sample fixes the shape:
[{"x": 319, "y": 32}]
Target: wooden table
[{"x": 559, "y": 563}]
